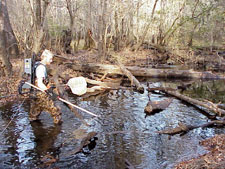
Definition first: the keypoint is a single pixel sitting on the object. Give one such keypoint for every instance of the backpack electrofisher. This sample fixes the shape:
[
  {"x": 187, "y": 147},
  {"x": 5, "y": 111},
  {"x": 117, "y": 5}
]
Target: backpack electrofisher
[{"x": 28, "y": 74}]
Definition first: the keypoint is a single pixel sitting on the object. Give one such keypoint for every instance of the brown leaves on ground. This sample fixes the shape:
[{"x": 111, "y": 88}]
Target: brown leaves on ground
[
  {"x": 9, "y": 85},
  {"x": 214, "y": 159}
]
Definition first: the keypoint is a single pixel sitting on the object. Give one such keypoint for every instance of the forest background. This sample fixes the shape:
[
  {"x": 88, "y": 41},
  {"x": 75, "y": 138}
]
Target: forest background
[{"x": 181, "y": 27}]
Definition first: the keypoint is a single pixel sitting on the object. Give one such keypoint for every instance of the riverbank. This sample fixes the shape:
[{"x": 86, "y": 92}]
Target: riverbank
[{"x": 149, "y": 58}]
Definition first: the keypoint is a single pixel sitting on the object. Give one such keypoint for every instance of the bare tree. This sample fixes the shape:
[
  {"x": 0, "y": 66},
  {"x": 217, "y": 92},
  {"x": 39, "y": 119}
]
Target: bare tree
[
  {"x": 39, "y": 8},
  {"x": 147, "y": 26},
  {"x": 3, "y": 38},
  {"x": 72, "y": 7}
]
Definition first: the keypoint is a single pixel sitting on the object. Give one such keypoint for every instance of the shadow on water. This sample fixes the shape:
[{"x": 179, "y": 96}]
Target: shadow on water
[{"x": 125, "y": 133}]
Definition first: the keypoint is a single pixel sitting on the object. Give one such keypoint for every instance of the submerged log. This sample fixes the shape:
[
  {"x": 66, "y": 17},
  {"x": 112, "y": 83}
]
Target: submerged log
[
  {"x": 182, "y": 128},
  {"x": 154, "y": 106},
  {"x": 209, "y": 105},
  {"x": 83, "y": 143}
]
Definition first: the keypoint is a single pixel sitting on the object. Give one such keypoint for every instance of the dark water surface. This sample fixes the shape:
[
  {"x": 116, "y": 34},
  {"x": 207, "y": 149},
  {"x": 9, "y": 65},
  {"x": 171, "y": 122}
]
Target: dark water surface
[{"x": 124, "y": 131}]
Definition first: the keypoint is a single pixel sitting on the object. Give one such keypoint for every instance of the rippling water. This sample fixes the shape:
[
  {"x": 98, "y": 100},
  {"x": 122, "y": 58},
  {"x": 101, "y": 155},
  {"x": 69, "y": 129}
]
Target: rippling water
[{"x": 125, "y": 132}]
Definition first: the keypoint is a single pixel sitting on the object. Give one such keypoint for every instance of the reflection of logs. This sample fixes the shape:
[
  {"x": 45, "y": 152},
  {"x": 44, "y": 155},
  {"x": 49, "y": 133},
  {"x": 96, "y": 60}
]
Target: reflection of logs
[
  {"x": 154, "y": 106},
  {"x": 182, "y": 128}
]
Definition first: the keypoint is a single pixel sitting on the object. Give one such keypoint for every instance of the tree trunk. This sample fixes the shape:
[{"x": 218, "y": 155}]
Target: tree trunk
[
  {"x": 39, "y": 32},
  {"x": 3, "y": 52},
  {"x": 101, "y": 31},
  {"x": 11, "y": 42},
  {"x": 117, "y": 37},
  {"x": 146, "y": 28}
]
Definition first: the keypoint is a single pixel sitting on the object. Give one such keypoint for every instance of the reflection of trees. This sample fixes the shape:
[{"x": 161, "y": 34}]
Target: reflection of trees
[
  {"x": 17, "y": 133},
  {"x": 9, "y": 134},
  {"x": 209, "y": 90},
  {"x": 24, "y": 142}
]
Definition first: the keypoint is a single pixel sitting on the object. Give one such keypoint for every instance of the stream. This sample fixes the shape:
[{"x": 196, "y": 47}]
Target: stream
[{"x": 125, "y": 132}]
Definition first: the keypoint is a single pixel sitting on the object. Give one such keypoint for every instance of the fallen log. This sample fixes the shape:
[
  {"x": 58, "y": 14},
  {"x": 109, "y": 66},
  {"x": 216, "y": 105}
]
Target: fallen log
[
  {"x": 156, "y": 106},
  {"x": 144, "y": 72},
  {"x": 209, "y": 105},
  {"x": 182, "y": 128},
  {"x": 139, "y": 87},
  {"x": 104, "y": 84}
]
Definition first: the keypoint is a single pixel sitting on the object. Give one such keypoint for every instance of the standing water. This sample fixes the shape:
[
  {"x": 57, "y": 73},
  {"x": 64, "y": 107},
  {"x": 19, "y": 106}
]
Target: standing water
[{"x": 125, "y": 132}]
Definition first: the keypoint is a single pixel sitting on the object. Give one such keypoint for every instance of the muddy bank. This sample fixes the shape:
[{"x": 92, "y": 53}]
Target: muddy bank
[{"x": 214, "y": 158}]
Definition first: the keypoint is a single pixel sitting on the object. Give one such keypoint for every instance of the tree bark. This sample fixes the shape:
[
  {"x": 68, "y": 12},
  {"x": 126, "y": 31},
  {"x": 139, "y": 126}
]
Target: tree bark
[
  {"x": 3, "y": 52},
  {"x": 117, "y": 35},
  {"x": 39, "y": 19},
  {"x": 143, "y": 72},
  {"x": 11, "y": 42}
]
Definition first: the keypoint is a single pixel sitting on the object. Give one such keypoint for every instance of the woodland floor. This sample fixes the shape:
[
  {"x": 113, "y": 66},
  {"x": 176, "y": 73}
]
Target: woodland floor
[{"x": 215, "y": 158}]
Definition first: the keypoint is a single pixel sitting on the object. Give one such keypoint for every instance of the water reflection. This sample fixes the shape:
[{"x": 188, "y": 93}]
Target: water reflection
[
  {"x": 18, "y": 135},
  {"x": 26, "y": 142},
  {"x": 125, "y": 133},
  {"x": 44, "y": 138}
]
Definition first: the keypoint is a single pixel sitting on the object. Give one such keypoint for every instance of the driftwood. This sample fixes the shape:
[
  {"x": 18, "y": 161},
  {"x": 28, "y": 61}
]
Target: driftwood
[
  {"x": 139, "y": 87},
  {"x": 156, "y": 106},
  {"x": 209, "y": 105},
  {"x": 182, "y": 128},
  {"x": 144, "y": 72}
]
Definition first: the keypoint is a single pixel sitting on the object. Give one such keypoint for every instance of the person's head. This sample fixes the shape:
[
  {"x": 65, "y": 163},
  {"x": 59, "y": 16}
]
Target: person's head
[{"x": 46, "y": 57}]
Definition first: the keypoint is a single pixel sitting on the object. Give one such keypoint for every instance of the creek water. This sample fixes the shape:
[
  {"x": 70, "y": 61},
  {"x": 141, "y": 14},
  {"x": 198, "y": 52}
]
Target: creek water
[{"x": 125, "y": 132}]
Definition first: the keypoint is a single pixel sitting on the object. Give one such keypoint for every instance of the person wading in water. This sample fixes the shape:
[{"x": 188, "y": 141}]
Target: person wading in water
[{"x": 43, "y": 101}]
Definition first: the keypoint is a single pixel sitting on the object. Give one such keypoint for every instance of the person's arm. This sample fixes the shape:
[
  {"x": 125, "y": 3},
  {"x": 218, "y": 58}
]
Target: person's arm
[
  {"x": 40, "y": 74},
  {"x": 41, "y": 84}
]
